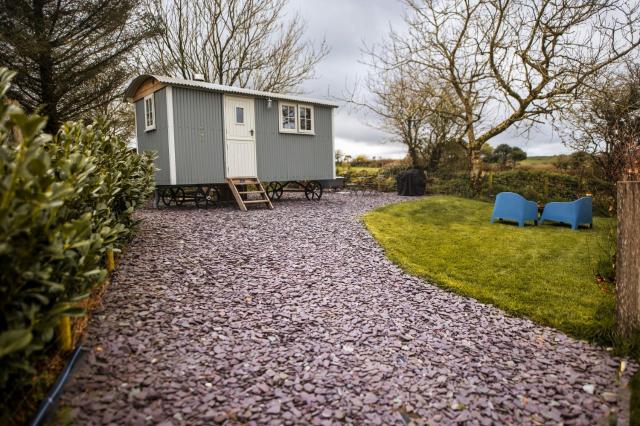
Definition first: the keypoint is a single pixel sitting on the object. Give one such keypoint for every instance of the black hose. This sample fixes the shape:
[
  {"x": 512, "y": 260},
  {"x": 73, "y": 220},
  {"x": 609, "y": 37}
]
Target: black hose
[{"x": 53, "y": 394}]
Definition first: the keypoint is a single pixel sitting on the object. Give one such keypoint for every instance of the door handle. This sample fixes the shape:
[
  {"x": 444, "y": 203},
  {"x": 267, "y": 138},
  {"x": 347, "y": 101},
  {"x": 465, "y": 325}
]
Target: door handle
[{"x": 251, "y": 131}]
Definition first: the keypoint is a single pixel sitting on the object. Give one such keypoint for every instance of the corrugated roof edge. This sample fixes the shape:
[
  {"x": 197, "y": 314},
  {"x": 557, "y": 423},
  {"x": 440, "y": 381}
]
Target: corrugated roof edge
[{"x": 202, "y": 85}]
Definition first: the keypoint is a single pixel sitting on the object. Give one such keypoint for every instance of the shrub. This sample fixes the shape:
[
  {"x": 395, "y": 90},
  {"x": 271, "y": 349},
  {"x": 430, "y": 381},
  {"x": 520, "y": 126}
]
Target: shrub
[
  {"x": 394, "y": 169},
  {"x": 545, "y": 187},
  {"x": 604, "y": 250},
  {"x": 533, "y": 185},
  {"x": 63, "y": 201}
]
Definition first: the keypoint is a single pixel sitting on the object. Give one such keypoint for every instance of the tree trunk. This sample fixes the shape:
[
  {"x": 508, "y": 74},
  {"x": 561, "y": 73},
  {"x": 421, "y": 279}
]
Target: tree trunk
[
  {"x": 475, "y": 170},
  {"x": 49, "y": 99},
  {"x": 434, "y": 157},
  {"x": 628, "y": 259},
  {"x": 413, "y": 155},
  {"x": 48, "y": 89}
]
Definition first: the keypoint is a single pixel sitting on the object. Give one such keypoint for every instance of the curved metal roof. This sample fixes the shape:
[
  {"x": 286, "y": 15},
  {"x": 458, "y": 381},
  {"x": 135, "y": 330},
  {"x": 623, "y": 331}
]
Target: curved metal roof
[{"x": 212, "y": 87}]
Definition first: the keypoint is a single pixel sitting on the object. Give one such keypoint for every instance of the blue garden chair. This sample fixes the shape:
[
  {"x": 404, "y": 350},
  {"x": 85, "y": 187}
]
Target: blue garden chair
[
  {"x": 512, "y": 206},
  {"x": 575, "y": 213}
]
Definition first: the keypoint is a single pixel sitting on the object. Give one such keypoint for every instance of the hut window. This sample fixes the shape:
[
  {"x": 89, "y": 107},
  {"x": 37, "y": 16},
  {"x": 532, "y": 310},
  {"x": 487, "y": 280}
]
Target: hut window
[
  {"x": 149, "y": 113},
  {"x": 239, "y": 115},
  {"x": 288, "y": 118},
  {"x": 306, "y": 118}
]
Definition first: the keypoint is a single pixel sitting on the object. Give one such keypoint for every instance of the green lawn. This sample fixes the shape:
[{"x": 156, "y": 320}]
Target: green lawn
[{"x": 546, "y": 273}]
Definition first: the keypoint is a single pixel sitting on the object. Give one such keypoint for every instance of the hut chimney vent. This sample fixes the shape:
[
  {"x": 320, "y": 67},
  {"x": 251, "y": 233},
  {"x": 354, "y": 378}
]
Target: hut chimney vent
[{"x": 198, "y": 77}]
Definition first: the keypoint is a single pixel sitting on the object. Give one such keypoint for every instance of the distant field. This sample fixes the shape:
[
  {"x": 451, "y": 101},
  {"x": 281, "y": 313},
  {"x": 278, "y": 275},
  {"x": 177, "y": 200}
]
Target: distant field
[
  {"x": 340, "y": 170},
  {"x": 542, "y": 163},
  {"x": 536, "y": 163}
]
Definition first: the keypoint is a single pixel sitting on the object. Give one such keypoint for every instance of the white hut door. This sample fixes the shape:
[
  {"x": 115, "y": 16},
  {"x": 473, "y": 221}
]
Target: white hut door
[{"x": 240, "y": 137}]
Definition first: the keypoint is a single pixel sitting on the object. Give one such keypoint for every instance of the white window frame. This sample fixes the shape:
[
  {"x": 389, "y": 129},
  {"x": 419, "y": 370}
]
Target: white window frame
[
  {"x": 313, "y": 119},
  {"x": 296, "y": 108},
  {"x": 149, "y": 126},
  {"x": 243, "y": 118},
  {"x": 280, "y": 117}
]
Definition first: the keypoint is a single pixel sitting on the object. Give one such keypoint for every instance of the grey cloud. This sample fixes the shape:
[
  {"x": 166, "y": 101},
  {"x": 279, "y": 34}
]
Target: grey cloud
[
  {"x": 345, "y": 24},
  {"x": 356, "y": 127}
]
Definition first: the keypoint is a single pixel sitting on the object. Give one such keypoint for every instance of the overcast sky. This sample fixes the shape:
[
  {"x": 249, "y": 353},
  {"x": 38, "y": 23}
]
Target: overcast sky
[{"x": 345, "y": 24}]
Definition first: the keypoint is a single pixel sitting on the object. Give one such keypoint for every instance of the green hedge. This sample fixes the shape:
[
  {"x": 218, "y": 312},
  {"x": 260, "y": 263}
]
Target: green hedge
[
  {"x": 533, "y": 185},
  {"x": 63, "y": 201}
]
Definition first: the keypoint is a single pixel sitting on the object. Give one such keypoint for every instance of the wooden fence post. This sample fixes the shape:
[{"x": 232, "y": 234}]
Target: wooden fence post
[
  {"x": 111, "y": 264},
  {"x": 628, "y": 258},
  {"x": 64, "y": 329}
]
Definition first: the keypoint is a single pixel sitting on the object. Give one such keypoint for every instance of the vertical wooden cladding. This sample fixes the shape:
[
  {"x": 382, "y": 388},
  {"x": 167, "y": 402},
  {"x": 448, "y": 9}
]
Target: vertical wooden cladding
[
  {"x": 155, "y": 140},
  {"x": 291, "y": 156},
  {"x": 198, "y": 134}
]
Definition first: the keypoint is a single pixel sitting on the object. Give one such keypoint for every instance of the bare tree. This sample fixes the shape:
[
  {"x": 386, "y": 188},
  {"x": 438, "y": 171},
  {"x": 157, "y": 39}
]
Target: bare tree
[
  {"x": 605, "y": 124},
  {"x": 407, "y": 105},
  {"x": 243, "y": 43},
  {"x": 513, "y": 62}
]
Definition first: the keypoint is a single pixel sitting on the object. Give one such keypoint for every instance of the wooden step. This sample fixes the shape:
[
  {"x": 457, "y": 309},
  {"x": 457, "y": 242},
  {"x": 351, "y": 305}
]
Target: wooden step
[
  {"x": 233, "y": 185},
  {"x": 245, "y": 181}
]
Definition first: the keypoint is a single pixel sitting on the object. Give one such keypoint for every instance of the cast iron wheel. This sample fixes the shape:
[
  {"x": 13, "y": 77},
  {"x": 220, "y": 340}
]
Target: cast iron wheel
[
  {"x": 213, "y": 197},
  {"x": 167, "y": 196},
  {"x": 275, "y": 190},
  {"x": 179, "y": 196},
  {"x": 313, "y": 191},
  {"x": 200, "y": 197},
  {"x": 206, "y": 196},
  {"x": 175, "y": 196}
]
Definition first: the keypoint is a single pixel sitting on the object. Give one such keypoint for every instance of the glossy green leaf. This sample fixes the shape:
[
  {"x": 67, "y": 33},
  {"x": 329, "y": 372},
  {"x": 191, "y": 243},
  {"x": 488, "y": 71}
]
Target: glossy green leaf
[{"x": 14, "y": 340}]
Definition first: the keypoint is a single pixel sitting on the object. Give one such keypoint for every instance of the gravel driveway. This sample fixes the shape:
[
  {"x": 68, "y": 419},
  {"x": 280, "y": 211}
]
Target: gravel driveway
[{"x": 294, "y": 315}]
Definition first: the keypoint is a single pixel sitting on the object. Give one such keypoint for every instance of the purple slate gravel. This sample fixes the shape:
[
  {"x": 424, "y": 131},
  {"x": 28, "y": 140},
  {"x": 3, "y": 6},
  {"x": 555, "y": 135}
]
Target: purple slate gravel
[{"x": 295, "y": 315}]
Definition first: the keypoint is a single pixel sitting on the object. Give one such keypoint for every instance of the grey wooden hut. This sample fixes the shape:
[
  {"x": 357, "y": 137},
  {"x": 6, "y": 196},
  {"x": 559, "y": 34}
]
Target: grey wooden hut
[{"x": 207, "y": 135}]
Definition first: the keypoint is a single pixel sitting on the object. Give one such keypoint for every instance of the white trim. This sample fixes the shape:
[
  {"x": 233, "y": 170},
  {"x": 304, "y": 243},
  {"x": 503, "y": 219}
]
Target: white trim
[
  {"x": 171, "y": 137},
  {"x": 333, "y": 144},
  {"x": 313, "y": 120},
  {"x": 135, "y": 83},
  {"x": 148, "y": 127},
  {"x": 135, "y": 125},
  {"x": 224, "y": 135},
  {"x": 295, "y": 118}
]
